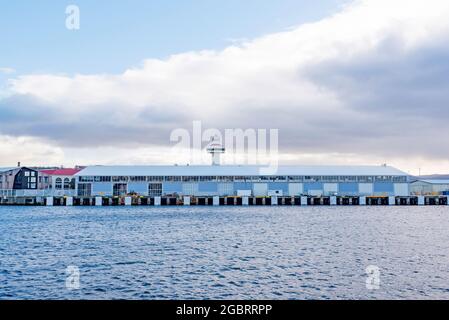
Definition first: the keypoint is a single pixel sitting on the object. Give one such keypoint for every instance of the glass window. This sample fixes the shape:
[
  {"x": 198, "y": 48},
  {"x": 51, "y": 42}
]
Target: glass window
[
  {"x": 66, "y": 183},
  {"x": 58, "y": 183},
  {"x": 119, "y": 189},
  {"x": 138, "y": 179},
  {"x": 84, "y": 190},
  {"x": 154, "y": 178},
  {"x": 155, "y": 189}
]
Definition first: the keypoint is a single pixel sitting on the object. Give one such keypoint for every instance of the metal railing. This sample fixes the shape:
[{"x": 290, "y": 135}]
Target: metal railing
[{"x": 37, "y": 193}]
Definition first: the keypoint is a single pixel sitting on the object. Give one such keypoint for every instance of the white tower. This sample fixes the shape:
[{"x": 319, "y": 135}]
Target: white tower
[{"x": 215, "y": 148}]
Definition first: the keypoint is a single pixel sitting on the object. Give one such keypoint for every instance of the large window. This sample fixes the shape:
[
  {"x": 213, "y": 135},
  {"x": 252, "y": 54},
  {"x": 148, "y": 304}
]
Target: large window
[
  {"x": 400, "y": 179},
  {"x": 155, "y": 189},
  {"x": 66, "y": 184},
  {"x": 58, "y": 184},
  {"x": 119, "y": 189},
  {"x": 84, "y": 190}
]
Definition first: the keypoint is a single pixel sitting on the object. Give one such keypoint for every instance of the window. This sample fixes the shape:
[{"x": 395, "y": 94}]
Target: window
[
  {"x": 58, "y": 184},
  {"x": 172, "y": 179},
  {"x": 102, "y": 179},
  {"x": 280, "y": 178},
  {"x": 207, "y": 178},
  {"x": 119, "y": 189},
  {"x": 155, "y": 189},
  {"x": 66, "y": 184},
  {"x": 365, "y": 179},
  {"x": 155, "y": 178},
  {"x": 84, "y": 190},
  {"x": 138, "y": 179},
  {"x": 86, "y": 179},
  {"x": 400, "y": 179},
  {"x": 120, "y": 179},
  {"x": 190, "y": 179}
]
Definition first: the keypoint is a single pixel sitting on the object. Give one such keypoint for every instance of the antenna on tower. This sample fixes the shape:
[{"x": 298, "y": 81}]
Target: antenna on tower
[{"x": 215, "y": 148}]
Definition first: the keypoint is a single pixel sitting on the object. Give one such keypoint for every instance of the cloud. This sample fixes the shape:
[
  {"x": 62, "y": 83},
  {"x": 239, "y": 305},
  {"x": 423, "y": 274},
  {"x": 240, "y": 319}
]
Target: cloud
[
  {"x": 369, "y": 82},
  {"x": 7, "y": 70}
]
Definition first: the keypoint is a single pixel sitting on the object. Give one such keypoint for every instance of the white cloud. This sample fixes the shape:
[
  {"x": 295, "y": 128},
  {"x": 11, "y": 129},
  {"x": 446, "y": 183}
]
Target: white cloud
[
  {"x": 7, "y": 70},
  {"x": 29, "y": 151},
  {"x": 368, "y": 82}
]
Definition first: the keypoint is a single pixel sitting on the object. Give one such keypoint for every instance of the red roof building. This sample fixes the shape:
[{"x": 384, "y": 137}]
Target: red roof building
[{"x": 61, "y": 172}]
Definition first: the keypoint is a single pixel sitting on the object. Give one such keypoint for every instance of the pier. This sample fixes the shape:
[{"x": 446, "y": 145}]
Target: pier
[{"x": 227, "y": 201}]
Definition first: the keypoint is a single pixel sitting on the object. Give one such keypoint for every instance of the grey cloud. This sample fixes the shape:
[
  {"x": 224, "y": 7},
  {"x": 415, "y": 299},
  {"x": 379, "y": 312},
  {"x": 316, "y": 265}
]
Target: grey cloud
[{"x": 389, "y": 102}]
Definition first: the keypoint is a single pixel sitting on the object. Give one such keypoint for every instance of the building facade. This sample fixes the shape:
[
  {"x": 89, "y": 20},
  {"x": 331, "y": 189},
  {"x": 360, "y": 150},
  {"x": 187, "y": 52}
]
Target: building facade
[
  {"x": 429, "y": 187},
  {"x": 34, "y": 182},
  {"x": 62, "y": 182},
  {"x": 19, "y": 178},
  {"x": 241, "y": 180}
]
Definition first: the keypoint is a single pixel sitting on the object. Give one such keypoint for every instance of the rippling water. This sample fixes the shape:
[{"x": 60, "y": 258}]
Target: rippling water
[{"x": 224, "y": 253}]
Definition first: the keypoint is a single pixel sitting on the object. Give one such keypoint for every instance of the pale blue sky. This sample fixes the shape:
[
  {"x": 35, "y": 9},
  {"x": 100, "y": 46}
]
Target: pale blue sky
[
  {"x": 115, "y": 35},
  {"x": 360, "y": 83}
]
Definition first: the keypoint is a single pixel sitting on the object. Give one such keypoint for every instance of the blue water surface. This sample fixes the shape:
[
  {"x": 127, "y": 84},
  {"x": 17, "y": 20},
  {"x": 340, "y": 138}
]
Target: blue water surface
[{"x": 224, "y": 252}]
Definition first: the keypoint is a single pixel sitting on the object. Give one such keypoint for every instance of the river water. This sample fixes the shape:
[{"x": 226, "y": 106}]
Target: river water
[{"x": 224, "y": 253}]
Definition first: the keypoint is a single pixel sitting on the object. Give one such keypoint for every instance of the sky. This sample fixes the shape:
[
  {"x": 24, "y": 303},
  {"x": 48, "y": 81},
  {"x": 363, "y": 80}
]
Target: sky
[{"x": 344, "y": 82}]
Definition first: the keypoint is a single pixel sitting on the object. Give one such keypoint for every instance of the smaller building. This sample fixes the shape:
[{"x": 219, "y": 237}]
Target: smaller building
[
  {"x": 430, "y": 187},
  {"x": 36, "y": 182},
  {"x": 18, "y": 178},
  {"x": 60, "y": 181}
]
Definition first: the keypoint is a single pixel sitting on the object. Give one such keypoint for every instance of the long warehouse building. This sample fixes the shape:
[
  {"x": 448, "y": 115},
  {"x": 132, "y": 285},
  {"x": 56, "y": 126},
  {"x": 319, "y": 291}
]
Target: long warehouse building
[{"x": 241, "y": 180}]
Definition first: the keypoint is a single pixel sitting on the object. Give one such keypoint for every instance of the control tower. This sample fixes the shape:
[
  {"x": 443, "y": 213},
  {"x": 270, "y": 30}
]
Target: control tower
[{"x": 215, "y": 148}]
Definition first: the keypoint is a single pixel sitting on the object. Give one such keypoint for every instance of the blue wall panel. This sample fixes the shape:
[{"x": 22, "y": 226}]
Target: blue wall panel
[
  {"x": 278, "y": 186},
  {"x": 243, "y": 186},
  {"x": 102, "y": 189},
  {"x": 312, "y": 186},
  {"x": 208, "y": 187},
  {"x": 172, "y": 187},
  {"x": 139, "y": 188},
  {"x": 348, "y": 188},
  {"x": 384, "y": 187}
]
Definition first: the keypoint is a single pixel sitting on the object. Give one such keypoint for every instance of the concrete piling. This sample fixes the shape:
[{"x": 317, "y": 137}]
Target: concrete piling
[
  {"x": 49, "y": 201},
  {"x": 304, "y": 201},
  {"x": 421, "y": 200}
]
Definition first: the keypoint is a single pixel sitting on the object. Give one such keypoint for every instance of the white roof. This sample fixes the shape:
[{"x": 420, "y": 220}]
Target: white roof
[
  {"x": 239, "y": 171},
  {"x": 8, "y": 169},
  {"x": 435, "y": 181}
]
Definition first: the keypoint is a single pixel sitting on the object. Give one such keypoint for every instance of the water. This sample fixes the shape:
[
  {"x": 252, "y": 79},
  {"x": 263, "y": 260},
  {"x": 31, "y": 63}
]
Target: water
[{"x": 224, "y": 253}]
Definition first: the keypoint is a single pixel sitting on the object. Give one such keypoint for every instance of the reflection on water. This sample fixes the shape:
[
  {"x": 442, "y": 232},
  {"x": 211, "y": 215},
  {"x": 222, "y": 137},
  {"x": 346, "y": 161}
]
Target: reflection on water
[{"x": 224, "y": 253}]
